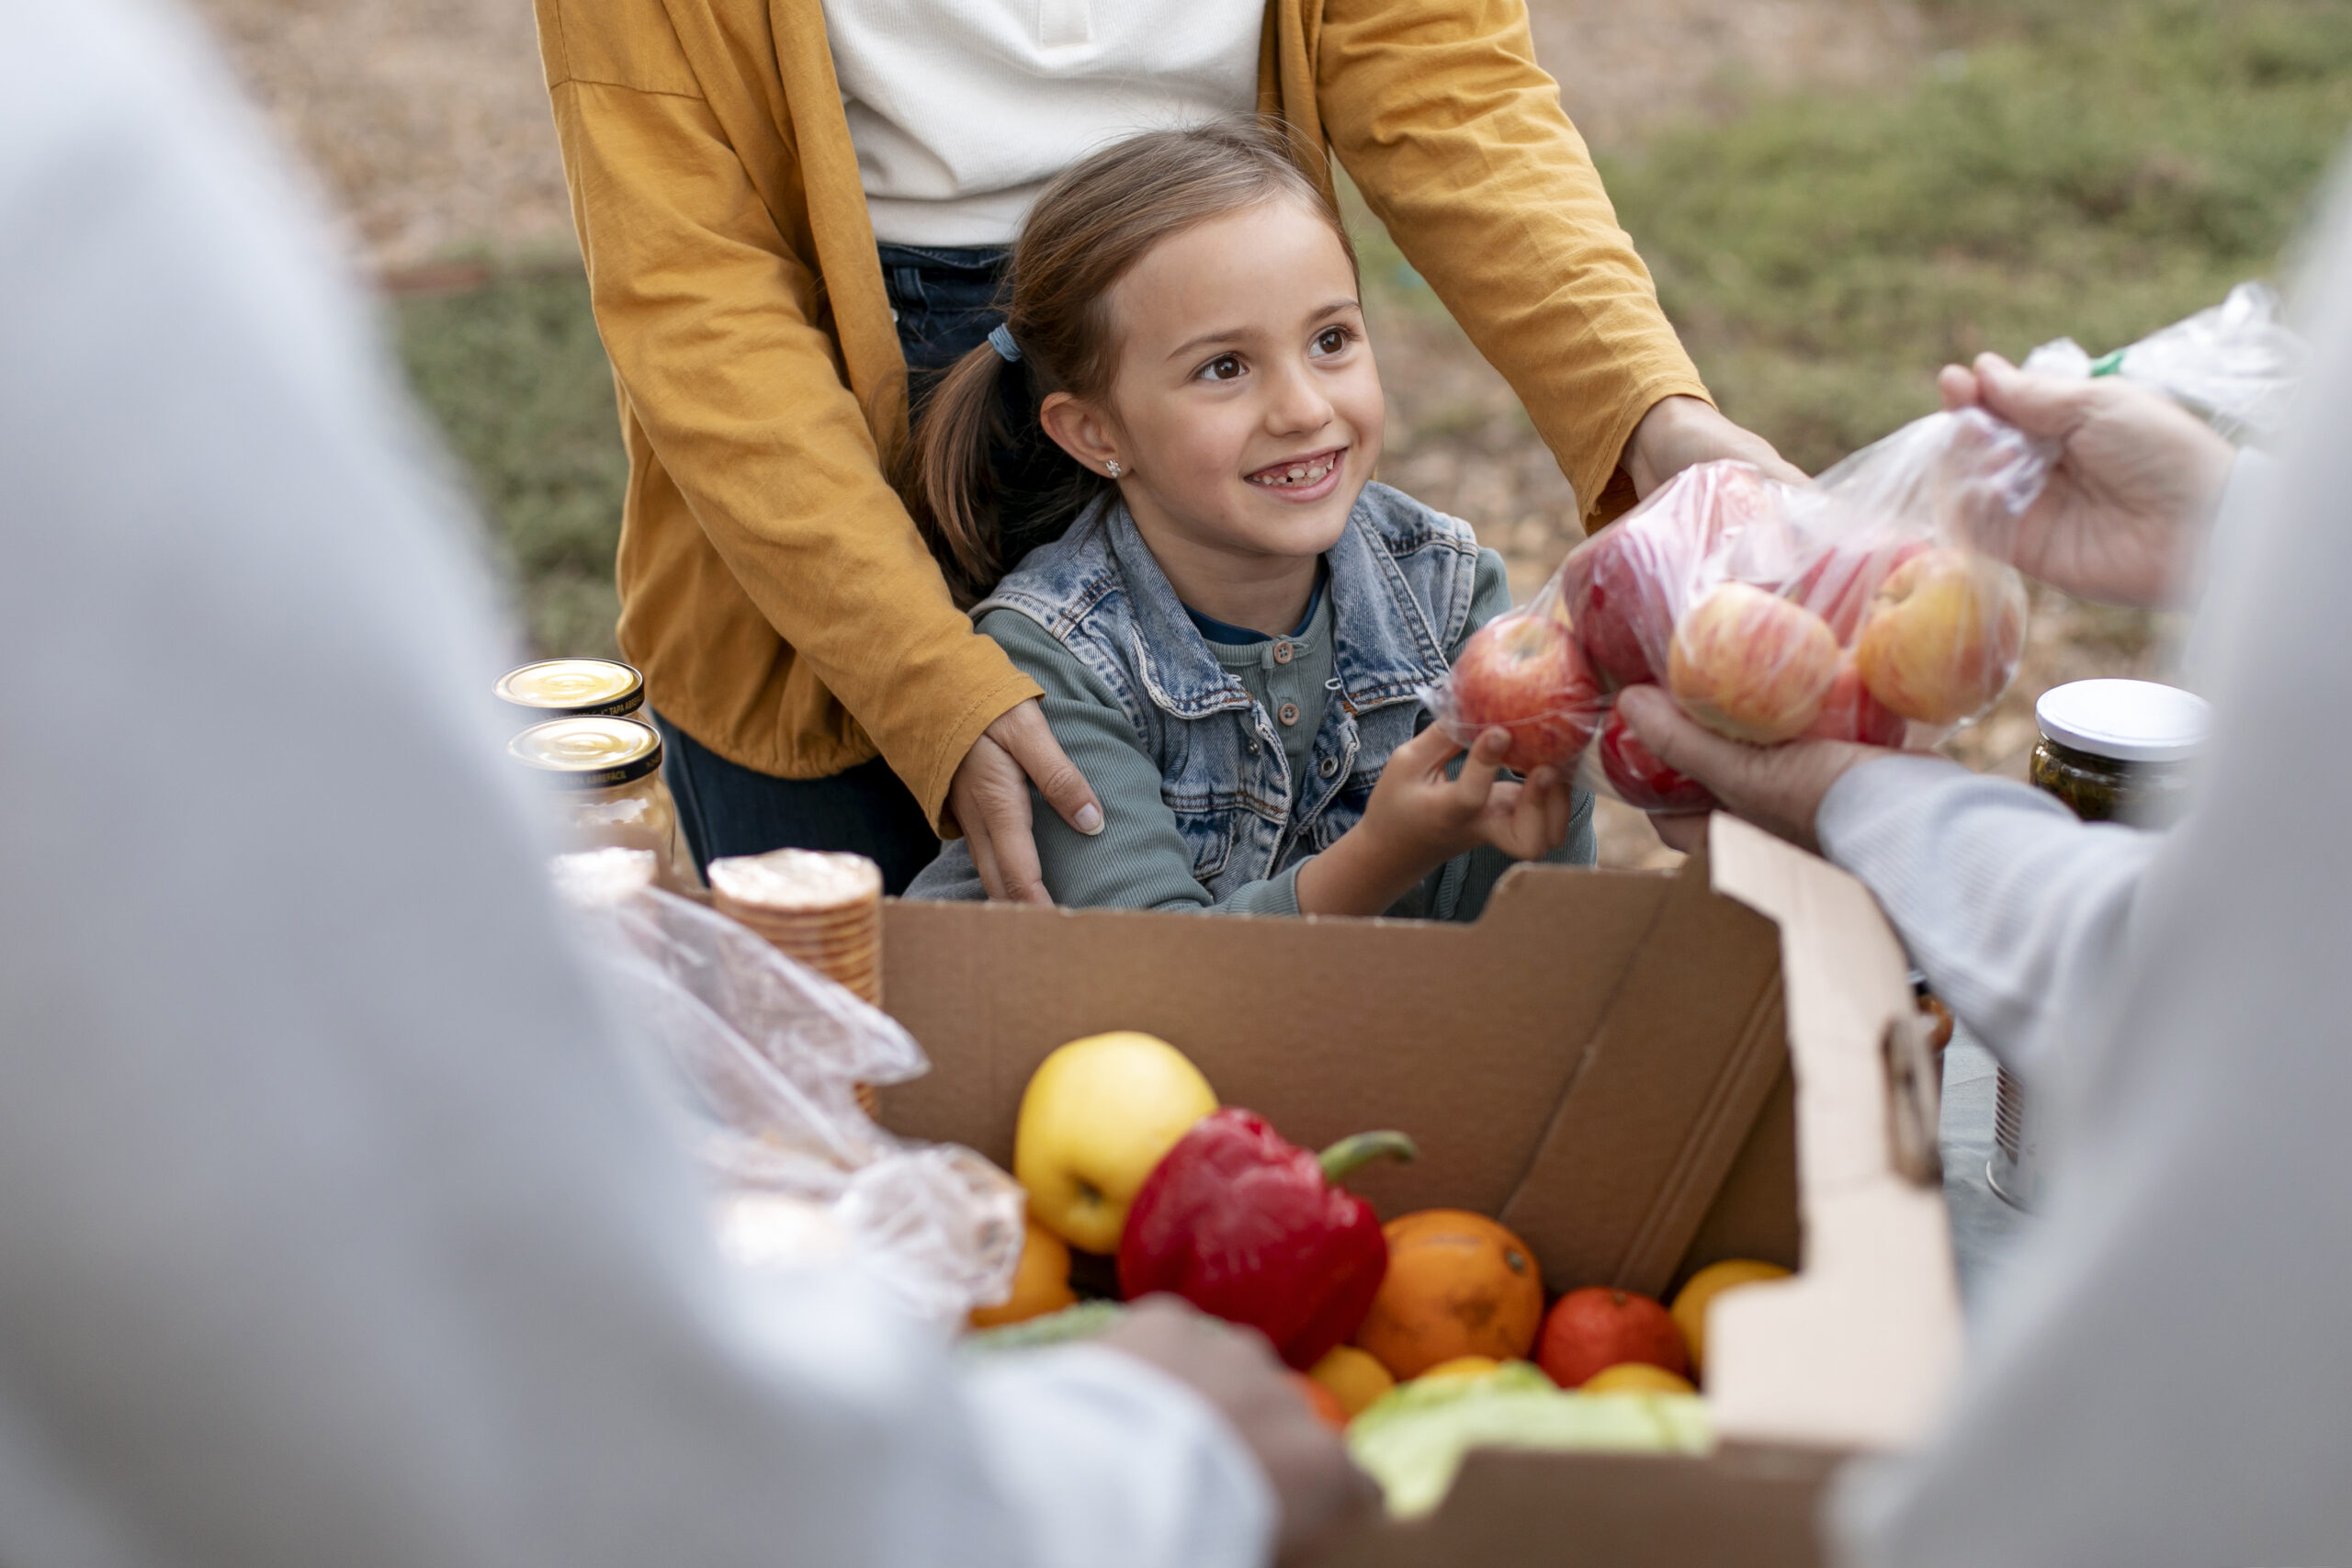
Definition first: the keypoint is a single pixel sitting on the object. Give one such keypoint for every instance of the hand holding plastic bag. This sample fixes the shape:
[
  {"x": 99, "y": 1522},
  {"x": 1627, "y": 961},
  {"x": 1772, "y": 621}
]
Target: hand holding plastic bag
[
  {"x": 1772, "y": 611},
  {"x": 763, "y": 1057},
  {"x": 1876, "y": 605}
]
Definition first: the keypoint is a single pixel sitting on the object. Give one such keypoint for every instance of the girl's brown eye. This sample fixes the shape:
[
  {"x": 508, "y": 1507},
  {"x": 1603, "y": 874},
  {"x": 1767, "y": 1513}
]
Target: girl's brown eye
[
  {"x": 1225, "y": 368},
  {"x": 1330, "y": 340}
]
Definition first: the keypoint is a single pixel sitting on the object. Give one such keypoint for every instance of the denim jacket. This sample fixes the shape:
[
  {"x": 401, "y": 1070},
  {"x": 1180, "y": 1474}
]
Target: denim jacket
[{"x": 1401, "y": 582}]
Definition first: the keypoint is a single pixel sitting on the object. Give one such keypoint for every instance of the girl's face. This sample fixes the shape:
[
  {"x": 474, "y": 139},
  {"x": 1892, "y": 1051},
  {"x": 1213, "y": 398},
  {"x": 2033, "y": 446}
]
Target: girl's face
[{"x": 1246, "y": 411}]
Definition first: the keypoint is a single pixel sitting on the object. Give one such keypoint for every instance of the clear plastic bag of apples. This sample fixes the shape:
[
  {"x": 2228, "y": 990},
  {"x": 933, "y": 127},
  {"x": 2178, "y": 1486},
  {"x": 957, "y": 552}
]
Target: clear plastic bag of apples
[
  {"x": 1874, "y": 604},
  {"x": 1875, "y": 600}
]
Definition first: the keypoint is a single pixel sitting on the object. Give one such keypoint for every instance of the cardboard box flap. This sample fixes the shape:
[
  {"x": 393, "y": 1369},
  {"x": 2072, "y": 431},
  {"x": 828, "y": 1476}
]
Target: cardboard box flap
[
  {"x": 1861, "y": 1348},
  {"x": 1663, "y": 1099},
  {"x": 1591, "y": 1510},
  {"x": 1465, "y": 1035}
]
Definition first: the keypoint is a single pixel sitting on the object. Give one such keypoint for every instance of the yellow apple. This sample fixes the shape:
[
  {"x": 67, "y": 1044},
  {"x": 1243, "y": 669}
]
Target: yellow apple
[
  {"x": 1097, "y": 1115},
  {"x": 1943, "y": 636}
]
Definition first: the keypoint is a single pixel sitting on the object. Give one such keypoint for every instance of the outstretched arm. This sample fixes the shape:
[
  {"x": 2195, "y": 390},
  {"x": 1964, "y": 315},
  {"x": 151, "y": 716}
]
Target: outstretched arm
[{"x": 1457, "y": 139}]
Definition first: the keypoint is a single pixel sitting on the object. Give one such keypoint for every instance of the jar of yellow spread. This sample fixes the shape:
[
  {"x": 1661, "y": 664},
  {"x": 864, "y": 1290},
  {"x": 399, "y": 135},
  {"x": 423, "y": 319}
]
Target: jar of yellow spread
[
  {"x": 559, "y": 687},
  {"x": 2113, "y": 751},
  {"x": 603, "y": 775}
]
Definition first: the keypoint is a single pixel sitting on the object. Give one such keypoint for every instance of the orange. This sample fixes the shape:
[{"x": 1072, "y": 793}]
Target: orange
[
  {"x": 1040, "y": 1282},
  {"x": 1460, "y": 1366},
  {"x": 1322, "y": 1401},
  {"x": 1355, "y": 1377},
  {"x": 1689, "y": 1307},
  {"x": 1458, "y": 1284},
  {"x": 1634, "y": 1377}
]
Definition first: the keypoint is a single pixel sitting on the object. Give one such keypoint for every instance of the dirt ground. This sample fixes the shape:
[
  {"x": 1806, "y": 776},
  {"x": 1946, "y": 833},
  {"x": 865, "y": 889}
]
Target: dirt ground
[{"x": 428, "y": 123}]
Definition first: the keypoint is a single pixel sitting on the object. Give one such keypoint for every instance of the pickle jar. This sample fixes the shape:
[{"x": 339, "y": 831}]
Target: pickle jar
[
  {"x": 558, "y": 688},
  {"x": 2119, "y": 750},
  {"x": 603, "y": 774},
  {"x": 2113, "y": 751}
]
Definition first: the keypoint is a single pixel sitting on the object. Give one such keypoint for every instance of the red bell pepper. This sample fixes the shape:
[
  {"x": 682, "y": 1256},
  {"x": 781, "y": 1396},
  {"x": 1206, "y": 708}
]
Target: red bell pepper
[{"x": 1252, "y": 1229}]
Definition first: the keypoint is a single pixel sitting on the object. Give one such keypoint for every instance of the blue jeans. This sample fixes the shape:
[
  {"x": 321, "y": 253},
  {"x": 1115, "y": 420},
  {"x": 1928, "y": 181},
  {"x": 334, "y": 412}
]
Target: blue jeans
[
  {"x": 726, "y": 808},
  {"x": 944, "y": 302}
]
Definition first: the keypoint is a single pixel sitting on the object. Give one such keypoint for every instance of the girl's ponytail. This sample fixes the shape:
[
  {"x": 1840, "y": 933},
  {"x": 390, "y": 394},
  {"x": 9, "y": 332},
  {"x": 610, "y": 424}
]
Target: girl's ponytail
[{"x": 950, "y": 483}]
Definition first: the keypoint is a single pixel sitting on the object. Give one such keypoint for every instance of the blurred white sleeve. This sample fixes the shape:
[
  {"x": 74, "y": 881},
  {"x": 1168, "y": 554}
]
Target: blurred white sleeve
[
  {"x": 2160, "y": 1376},
  {"x": 2014, "y": 911},
  {"x": 339, "y": 1220}
]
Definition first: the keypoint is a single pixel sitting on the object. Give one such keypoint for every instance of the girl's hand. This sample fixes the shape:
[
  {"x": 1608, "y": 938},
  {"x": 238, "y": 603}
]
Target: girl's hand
[
  {"x": 1418, "y": 818},
  {"x": 1431, "y": 818}
]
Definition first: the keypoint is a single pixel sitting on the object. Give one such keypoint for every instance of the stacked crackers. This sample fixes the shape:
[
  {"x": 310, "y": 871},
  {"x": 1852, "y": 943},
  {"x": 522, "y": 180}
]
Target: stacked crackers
[{"x": 823, "y": 909}]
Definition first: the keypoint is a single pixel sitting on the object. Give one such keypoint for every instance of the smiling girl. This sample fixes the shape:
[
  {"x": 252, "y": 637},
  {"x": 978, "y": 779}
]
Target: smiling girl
[{"x": 1232, "y": 632}]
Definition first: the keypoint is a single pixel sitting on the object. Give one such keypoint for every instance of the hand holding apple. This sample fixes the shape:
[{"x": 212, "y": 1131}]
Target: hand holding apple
[{"x": 1641, "y": 779}]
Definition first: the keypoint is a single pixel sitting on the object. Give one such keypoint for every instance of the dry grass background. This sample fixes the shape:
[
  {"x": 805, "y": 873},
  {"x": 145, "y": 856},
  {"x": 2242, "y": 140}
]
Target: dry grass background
[{"x": 428, "y": 124}]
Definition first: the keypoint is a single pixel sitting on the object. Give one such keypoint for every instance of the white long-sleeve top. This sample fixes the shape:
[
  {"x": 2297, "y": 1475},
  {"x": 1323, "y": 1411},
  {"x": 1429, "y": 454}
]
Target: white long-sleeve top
[
  {"x": 962, "y": 110},
  {"x": 338, "y": 1222},
  {"x": 2160, "y": 1375}
]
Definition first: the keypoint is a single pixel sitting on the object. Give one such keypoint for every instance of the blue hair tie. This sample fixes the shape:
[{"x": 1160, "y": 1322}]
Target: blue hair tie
[{"x": 1001, "y": 341}]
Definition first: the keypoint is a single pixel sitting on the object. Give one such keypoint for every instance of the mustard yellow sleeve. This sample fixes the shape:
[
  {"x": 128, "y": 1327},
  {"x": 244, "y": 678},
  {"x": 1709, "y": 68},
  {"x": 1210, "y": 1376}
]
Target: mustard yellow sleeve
[
  {"x": 712, "y": 324},
  {"x": 1439, "y": 113}
]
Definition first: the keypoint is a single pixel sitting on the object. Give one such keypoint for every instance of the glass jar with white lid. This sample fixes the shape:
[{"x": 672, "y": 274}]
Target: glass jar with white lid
[
  {"x": 2112, "y": 750},
  {"x": 603, "y": 778}
]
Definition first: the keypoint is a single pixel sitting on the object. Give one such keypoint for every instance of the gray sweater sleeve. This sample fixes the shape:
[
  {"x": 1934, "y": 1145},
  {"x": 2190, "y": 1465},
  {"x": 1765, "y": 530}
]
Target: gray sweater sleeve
[{"x": 2015, "y": 911}]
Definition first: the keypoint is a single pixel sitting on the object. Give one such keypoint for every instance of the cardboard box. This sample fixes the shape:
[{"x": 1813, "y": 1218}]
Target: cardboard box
[{"x": 1639, "y": 1074}]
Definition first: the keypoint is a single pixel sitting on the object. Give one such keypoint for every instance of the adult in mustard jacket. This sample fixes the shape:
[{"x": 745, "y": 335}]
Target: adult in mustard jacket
[{"x": 731, "y": 165}]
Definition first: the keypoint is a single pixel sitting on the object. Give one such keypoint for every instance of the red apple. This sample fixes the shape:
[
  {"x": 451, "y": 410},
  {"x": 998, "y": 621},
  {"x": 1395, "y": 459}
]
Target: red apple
[
  {"x": 1618, "y": 595},
  {"x": 1625, "y": 586},
  {"x": 1943, "y": 636},
  {"x": 1640, "y": 779},
  {"x": 1752, "y": 665},
  {"x": 1850, "y": 713},
  {"x": 1596, "y": 1327},
  {"x": 1525, "y": 672}
]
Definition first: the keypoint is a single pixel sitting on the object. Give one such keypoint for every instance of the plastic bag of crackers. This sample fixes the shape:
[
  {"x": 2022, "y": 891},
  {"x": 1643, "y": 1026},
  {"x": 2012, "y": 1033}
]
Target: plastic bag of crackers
[{"x": 764, "y": 1059}]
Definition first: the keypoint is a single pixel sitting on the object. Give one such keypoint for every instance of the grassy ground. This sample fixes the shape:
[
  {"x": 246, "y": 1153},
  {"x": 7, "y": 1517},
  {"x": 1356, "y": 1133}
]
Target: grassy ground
[
  {"x": 2087, "y": 167},
  {"x": 516, "y": 376},
  {"x": 2078, "y": 167}
]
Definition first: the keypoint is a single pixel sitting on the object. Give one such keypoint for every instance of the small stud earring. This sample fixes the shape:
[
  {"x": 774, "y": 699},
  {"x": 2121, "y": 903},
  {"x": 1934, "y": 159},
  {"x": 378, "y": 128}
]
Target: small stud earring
[{"x": 1113, "y": 469}]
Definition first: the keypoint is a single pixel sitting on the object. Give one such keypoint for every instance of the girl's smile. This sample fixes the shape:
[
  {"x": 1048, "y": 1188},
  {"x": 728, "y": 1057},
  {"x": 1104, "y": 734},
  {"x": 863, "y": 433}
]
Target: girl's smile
[{"x": 1303, "y": 480}]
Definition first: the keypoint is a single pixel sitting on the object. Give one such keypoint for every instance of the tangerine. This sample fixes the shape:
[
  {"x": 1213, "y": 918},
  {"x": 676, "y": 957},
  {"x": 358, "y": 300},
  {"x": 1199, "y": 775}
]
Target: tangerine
[
  {"x": 1597, "y": 1328},
  {"x": 1355, "y": 1377},
  {"x": 1635, "y": 1377},
  {"x": 1458, "y": 1284},
  {"x": 1040, "y": 1282},
  {"x": 1689, "y": 1307}
]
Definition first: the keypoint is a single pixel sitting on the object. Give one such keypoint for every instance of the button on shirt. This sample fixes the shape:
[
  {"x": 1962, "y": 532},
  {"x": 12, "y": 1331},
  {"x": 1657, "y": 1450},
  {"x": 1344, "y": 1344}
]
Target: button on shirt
[{"x": 1287, "y": 675}]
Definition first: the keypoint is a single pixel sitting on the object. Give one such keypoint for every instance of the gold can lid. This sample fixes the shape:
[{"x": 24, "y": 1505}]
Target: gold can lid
[
  {"x": 589, "y": 752},
  {"x": 574, "y": 687}
]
